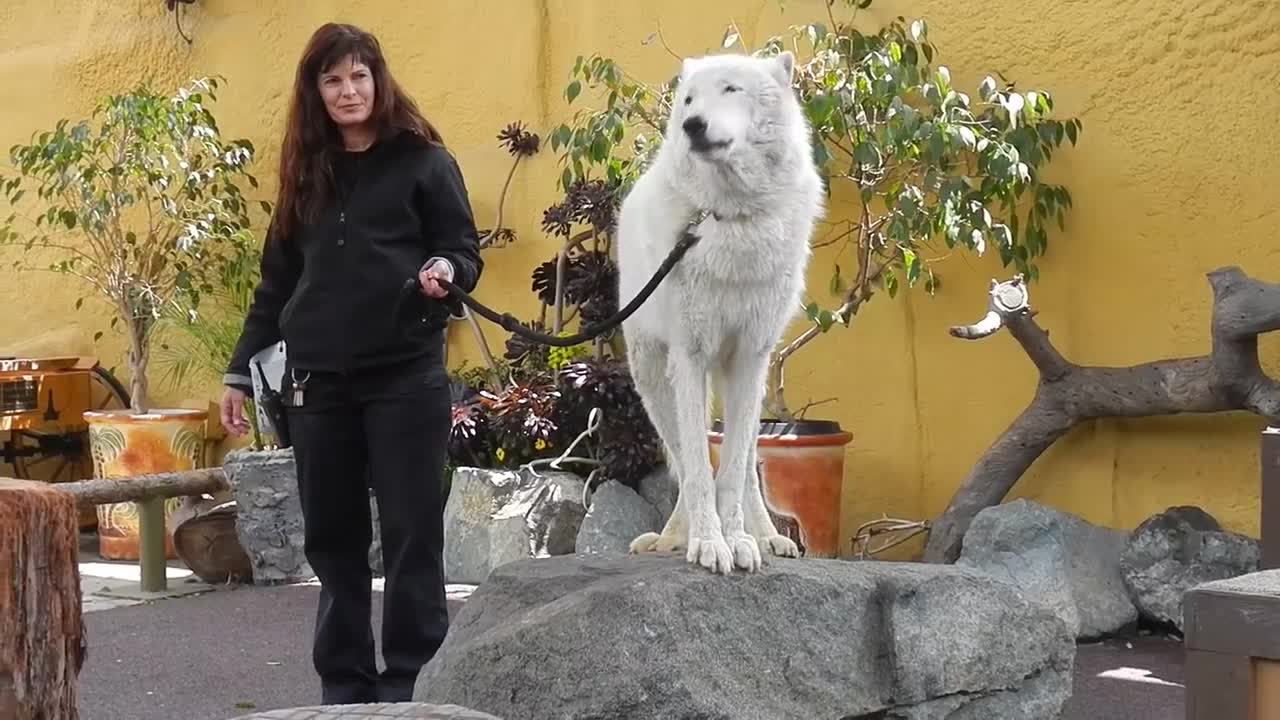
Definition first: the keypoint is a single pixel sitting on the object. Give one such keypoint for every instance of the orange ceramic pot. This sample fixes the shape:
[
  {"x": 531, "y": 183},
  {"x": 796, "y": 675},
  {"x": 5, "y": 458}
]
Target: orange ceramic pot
[
  {"x": 801, "y": 466},
  {"x": 125, "y": 444}
]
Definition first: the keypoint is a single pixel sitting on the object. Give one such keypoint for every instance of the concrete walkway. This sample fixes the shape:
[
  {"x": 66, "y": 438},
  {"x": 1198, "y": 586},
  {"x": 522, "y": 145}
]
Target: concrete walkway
[{"x": 107, "y": 584}]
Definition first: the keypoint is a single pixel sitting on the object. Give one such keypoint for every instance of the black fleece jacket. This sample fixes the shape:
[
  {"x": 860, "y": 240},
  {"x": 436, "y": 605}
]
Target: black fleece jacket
[{"x": 332, "y": 289}]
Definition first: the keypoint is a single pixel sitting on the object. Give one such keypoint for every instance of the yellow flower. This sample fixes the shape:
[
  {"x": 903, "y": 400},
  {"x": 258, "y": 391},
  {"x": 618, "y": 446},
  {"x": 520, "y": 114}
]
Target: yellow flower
[
  {"x": 540, "y": 444},
  {"x": 501, "y": 454}
]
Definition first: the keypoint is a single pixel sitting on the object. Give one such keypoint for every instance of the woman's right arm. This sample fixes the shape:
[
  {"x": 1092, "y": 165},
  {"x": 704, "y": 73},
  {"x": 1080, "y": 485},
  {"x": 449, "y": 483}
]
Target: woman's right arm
[{"x": 280, "y": 268}]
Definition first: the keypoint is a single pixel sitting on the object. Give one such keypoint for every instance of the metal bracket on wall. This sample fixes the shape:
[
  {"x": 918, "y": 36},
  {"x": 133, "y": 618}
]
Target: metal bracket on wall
[{"x": 172, "y": 6}]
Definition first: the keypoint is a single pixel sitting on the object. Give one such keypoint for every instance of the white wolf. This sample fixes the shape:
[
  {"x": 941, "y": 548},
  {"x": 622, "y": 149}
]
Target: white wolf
[{"x": 737, "y": 154}]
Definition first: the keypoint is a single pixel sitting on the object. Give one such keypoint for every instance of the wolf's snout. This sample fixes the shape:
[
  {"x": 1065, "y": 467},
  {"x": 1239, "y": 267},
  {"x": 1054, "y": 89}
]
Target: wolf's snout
[{"x": 695, "y": 127}]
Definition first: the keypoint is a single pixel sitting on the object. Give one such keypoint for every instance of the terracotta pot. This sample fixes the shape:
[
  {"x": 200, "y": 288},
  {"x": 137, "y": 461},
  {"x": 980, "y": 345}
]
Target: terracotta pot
[
  {"x": 802, "y": 478},
  {"x": 125, "y": 444}
]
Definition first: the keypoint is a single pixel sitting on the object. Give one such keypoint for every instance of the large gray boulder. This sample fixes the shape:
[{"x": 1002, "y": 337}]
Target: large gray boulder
[
  {"x": 660, "y": 490},
  {"x": 1175, "y": 550},
  {"x": 495, "y": 517},
  {"x": 269, "y": 516},
  {"x": 1058, "y": 559},
  {"x": 651, "y": 637},
  {"x": 617, "y": 515}
]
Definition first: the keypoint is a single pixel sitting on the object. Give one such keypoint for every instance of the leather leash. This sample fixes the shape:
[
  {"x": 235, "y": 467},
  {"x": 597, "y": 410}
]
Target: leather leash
[{"x": 589, "y": 332}]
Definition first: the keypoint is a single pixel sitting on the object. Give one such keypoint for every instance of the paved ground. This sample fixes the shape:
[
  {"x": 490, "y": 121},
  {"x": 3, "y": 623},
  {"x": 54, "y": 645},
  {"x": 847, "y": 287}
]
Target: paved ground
[
  {"x": 106, "y": 584},
  {"x": 231, "y": 652},
  {"x": 1128, "y": 680}
]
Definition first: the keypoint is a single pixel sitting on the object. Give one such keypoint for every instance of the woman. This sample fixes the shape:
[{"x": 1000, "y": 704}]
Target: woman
[{"x": 368, "y": 198}]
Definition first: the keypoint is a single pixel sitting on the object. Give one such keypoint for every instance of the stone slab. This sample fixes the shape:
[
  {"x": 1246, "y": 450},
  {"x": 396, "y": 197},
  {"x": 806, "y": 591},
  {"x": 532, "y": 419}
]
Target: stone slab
[{"x": 377, "y": 711}]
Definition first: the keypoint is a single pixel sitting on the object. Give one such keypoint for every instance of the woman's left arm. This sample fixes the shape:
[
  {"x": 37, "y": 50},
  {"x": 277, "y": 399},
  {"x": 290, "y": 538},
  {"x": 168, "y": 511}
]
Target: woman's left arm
[{"x": 449, "y": 224}]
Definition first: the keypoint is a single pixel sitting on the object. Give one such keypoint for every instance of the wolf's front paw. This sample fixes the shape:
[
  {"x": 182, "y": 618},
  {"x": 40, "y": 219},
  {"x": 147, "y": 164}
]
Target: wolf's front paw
[
  {"x": 653, "y": 542},
  {"x": 710, "y": 551},
  {"x": 778, "y": 545},
  {"x": 746, "y": 552}
]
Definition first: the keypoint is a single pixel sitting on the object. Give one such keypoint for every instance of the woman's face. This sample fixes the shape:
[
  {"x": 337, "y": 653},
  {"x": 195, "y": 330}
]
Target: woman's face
[{"x": 348, "y": 92}]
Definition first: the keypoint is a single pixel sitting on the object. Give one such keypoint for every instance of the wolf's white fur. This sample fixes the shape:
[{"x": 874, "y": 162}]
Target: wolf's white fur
[{"x": 723, "y": 308}]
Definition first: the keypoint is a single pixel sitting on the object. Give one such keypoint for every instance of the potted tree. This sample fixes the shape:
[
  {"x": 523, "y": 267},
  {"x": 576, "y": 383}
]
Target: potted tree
[
  {"x": 914, "y": 168},
  {"x": 138, "y": 202}
]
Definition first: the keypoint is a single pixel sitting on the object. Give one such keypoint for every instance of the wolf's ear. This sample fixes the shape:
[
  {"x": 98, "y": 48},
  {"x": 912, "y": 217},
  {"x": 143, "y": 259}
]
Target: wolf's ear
[
  {"x": 784, "y": 64},
  {"x": 687, "y": 66}
]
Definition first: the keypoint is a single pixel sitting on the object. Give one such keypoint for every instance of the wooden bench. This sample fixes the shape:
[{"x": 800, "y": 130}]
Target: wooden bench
[
  {"x": 1232, "y": 647},
  {"x": 1270, "y": 498},
  {"x": 1232, "y": 627}
]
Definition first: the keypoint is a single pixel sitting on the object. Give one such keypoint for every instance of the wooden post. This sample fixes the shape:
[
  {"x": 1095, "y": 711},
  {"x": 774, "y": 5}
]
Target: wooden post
[
  {"x": 41, "y": 631},
  {"x": 151, "y": 545},
  {"x": 1270, "y": 499}
]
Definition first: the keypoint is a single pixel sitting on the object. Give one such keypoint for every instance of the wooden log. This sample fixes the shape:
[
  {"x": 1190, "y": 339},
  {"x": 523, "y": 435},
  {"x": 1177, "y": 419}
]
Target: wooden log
[
  {"x": 139, "y": 488},
  {"x": 42, "y": 641}
]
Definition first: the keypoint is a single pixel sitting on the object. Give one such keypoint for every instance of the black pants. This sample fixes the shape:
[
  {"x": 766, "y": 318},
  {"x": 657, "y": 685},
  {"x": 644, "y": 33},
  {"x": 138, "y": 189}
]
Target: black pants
[{"x": 387, "y": 429}]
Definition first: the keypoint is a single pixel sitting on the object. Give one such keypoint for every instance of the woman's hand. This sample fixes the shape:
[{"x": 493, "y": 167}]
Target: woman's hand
[
  {"x": 233, "y": 417},
  {"x": 428, "y": 275}
]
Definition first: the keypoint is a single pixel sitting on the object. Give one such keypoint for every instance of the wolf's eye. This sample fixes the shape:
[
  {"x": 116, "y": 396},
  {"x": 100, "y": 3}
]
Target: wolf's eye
[
  {"x": 731, "y": 89},
  {"x": 688, "y": 98}
]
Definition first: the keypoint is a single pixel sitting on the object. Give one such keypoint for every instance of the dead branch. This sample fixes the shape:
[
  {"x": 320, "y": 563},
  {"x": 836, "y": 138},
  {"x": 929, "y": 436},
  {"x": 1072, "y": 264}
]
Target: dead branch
[{"x": 1229, "y": 378}]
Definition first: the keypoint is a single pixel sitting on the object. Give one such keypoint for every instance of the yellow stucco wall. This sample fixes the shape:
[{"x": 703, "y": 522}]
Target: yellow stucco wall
[{"x": 1176, "y": 175}]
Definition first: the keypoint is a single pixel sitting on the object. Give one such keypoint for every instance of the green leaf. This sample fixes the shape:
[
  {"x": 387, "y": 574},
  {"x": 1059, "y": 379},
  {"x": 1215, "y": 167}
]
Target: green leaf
[
  {"x": 890, "y": 283},
  {"x": 836, "y": 285},
  {"x": 571, "y": 92},
  {"x": 1071, "y": 131},
  {"x": 918, "y": 30},
  {"x": 866, "y": 154},
  {"x": 912, "y": 264}
]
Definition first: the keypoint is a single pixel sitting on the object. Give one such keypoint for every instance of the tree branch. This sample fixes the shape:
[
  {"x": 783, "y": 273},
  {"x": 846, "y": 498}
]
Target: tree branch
[{"x": 1230, "y": 378}]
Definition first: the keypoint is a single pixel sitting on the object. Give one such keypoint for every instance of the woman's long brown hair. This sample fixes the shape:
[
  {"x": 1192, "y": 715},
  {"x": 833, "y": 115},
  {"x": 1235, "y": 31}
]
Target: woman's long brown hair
[{"x": 311, "y": 137}]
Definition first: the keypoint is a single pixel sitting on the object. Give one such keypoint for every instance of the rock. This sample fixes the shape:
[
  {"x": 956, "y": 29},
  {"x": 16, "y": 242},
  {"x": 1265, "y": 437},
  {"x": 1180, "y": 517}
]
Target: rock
[
  {"x": 494, "y": 517},
  {"x": 1058, "y": 559},
  {"x": 1173, "y": 551},
  {"x": 659, "y": 489},
  {"x": 803, "y": 638},
  {"x": 616, "y": 517},
  {"x": 375, "y": 711},
  {"x": 269, "y": 516}
]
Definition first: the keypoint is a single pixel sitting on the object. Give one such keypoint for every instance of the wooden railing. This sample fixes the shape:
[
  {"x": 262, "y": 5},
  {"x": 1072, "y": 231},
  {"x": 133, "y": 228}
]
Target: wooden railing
[{"x": 149, "y": 492}]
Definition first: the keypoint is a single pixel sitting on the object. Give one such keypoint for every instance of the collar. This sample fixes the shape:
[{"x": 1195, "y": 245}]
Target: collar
[{"x": 700, "y": 215}]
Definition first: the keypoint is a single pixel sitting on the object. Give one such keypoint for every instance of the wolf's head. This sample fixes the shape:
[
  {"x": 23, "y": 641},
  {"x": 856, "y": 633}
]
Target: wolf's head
[{"x": 724, "y": 104}]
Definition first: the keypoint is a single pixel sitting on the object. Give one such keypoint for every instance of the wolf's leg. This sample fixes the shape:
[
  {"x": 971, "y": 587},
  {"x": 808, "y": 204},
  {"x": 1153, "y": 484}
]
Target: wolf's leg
[
  {"x": 756, "y": 514},
  {"x": 707, "y": 547},
  {"x": 647, "y": 361},
  {"x": 744, "y": 385}
]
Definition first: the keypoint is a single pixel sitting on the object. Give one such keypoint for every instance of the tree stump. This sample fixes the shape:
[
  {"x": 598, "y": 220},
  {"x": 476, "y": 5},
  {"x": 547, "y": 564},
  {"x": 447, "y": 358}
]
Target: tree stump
[{"x": 41, "y": 630}]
